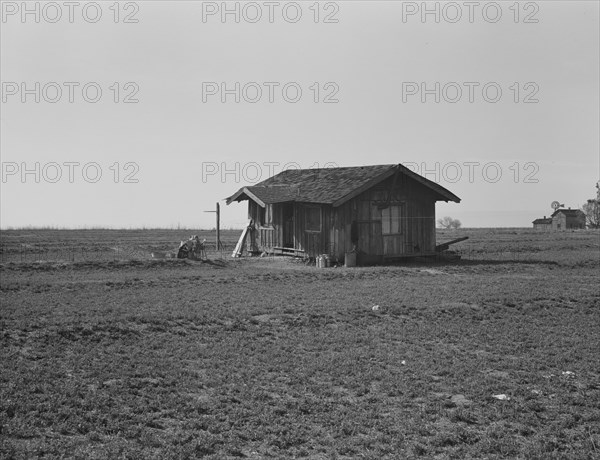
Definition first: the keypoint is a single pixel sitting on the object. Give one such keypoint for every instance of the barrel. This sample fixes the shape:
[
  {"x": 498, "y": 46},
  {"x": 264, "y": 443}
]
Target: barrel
[{"x": 350, "y": 259}]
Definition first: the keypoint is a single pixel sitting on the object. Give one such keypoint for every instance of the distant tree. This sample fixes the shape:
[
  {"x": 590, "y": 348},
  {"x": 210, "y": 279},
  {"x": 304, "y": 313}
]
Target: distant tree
[
  {"x": 449, "y": 223},
  {"x": 592, "y": 210},
  {"x": 444, "y": 222}
]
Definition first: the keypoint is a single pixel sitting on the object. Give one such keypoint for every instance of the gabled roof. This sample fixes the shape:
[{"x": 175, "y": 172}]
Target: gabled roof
[
  {"x": 569, "y": 212},
  {"x": 543, "y": 221},
  {"x": 333, "y": 186}
]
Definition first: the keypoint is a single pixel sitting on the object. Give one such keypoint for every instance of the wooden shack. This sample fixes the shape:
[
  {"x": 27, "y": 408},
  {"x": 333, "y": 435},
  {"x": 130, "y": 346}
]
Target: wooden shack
[{"x": 380, "y": 212}]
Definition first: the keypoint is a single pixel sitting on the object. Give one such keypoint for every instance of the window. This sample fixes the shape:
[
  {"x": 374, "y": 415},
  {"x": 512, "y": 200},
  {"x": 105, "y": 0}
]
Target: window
[
  {"x": 390, "y": 220},
  {"x": 313, "y": 219}
]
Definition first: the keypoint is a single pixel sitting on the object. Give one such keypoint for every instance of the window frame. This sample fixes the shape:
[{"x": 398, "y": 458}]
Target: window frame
[
  {"x": 387, "y": 220},
  {"x": 307, "y": 209}
]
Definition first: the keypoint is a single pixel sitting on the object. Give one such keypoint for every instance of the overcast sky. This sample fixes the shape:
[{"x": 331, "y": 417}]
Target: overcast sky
[{"x": 346, "y": 83}]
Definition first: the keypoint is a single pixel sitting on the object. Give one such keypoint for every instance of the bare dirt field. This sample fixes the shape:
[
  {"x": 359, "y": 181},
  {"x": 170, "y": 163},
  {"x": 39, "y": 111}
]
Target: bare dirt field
[{"x": 494, "y": 356}]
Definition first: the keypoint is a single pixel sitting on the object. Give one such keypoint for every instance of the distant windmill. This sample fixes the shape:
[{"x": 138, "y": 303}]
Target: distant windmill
[{"x": 556, "y": 205}]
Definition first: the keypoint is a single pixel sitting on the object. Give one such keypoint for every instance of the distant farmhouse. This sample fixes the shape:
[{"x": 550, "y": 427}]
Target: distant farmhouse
[
  {"x": 382, "y": 212},
  {"x": 544, "y": 224},
  {"x": 561, "y": 220}
]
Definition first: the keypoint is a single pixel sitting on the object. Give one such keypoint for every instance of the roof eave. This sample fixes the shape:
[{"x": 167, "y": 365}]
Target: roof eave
[
  {"x": 444, "y": 192},
  {"x": 249, "y": 195},
  {"x": 234, "y": 197}
]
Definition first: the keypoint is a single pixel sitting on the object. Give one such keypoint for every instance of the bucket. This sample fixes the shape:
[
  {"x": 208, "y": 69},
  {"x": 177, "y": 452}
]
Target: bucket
[{"x": 350, "y": 260}]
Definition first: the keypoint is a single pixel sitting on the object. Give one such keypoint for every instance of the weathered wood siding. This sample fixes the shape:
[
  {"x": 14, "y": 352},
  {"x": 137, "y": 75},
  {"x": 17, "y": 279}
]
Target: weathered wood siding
[
  {"x": 264, "y": 235},
  {"x": 417, "y": 221},
  {"x": 414, "y": 202},
  {"x": 559, "y": 222},
  {"x": 312, "y": 242}
]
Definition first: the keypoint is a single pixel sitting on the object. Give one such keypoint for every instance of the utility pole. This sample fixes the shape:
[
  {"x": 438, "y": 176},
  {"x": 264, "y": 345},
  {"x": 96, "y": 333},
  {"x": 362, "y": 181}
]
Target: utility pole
[{"x": 218, "y": 244}]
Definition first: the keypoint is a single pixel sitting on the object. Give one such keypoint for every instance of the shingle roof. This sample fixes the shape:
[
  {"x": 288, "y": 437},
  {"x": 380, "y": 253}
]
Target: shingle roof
[
  {"x": 569, "y": 212},
  {"x": 329, "y": 185},
  {"x": 543, "y": 221}
]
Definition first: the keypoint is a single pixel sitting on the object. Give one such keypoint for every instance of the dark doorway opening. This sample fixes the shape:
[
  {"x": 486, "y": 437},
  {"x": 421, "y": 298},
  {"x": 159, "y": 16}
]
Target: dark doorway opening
[{"x": 288, "y": 225}]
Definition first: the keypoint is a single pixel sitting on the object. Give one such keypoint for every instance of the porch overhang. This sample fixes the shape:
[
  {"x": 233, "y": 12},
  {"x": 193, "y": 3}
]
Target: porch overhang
[
  {"x": 265, "y": 195},
  {"x": 245, "y": 194}
]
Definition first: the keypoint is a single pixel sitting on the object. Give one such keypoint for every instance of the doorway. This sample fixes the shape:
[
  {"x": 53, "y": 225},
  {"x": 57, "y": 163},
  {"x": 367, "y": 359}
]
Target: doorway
[{"x": 288, "y": 225}]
